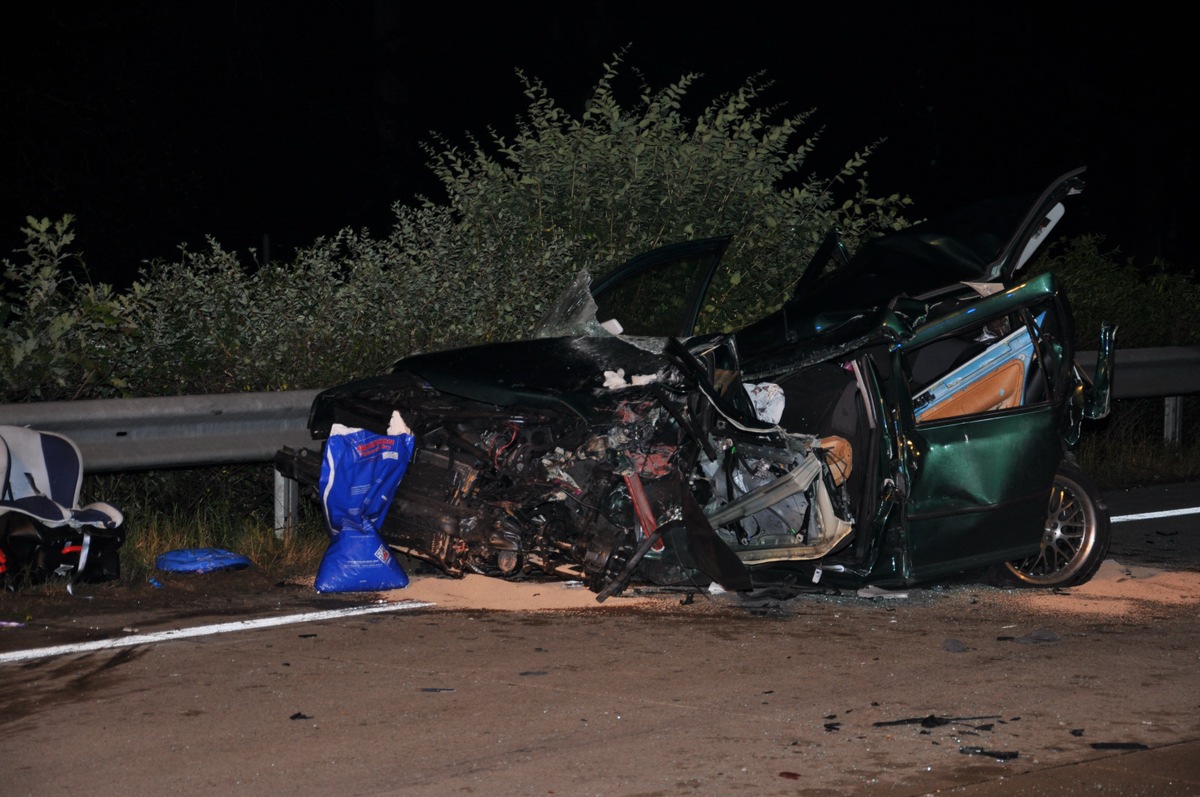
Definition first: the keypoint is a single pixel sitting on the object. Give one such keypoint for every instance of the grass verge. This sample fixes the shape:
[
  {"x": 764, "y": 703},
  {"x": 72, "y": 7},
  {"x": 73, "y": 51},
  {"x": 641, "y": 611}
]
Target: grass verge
[
  {"x": 228, "y": 507},
  {"x": 1128, "y": 449}
]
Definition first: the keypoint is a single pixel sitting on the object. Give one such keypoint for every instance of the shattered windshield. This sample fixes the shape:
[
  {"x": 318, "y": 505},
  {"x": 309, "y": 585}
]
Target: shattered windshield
[{"x": 572, "y": 313}]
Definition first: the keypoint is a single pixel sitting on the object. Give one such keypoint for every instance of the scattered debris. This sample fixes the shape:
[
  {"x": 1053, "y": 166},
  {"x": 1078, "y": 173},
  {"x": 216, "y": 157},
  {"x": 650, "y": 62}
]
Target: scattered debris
[
  {"x": 1040, "y": 636},
  {"x": 931, "y": 721},
  {"x": 954, "y": 646},
  {"x": 999, "y": 755},
  {"x": 1119, "y": 746},
  {"x": 300, "y": 715},
  {"x": 872, "y": 591}
]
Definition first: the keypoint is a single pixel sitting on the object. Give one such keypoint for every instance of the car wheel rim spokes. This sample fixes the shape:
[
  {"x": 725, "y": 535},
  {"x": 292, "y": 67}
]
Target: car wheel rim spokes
[{"x": 1065, "y": 539}]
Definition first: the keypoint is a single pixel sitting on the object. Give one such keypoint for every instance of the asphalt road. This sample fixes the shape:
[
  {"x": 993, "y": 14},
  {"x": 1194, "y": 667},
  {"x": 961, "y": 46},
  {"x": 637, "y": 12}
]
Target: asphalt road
[
  {"x": 959, "y": 689},
  {"x": 1170, "y": 541}
]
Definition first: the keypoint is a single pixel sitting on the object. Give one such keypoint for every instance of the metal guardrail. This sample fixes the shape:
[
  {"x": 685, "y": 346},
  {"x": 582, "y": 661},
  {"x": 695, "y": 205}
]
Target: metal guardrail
[
  {"x": 180, "y": 431},
  {"x": 1151, "y": 373},
  {"x": 195, "y": 431},
  {"x": 1169, "y": 372},
  {"x": 176, "y": 431}
]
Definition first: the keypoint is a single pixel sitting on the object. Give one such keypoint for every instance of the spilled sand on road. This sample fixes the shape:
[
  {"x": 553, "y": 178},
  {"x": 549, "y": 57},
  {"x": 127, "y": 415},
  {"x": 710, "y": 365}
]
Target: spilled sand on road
[
  {"x": 475, "y": 591},
  {"x": 1119, "y": 589},
  {"x": 1116, "y": 590}
]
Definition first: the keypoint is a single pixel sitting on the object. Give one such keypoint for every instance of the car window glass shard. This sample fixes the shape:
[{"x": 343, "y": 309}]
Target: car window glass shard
[
  {"x": 830, "y": 255},
  {"x": 867, "y": 406},
  {"x": 572, "y": 313},
  {"x": 659, "y": 293},
  {"x": 985, "y": 289}
]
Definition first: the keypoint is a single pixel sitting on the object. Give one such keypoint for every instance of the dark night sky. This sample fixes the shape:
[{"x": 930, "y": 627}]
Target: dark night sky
[{"x": 161, "y": 123}]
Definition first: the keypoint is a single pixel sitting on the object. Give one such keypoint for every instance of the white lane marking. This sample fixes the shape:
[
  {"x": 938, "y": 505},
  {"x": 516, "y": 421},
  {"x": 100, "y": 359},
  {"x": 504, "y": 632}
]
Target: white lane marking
[
  {"x": 206, "y": 630},
  {"x": 1191, "y": 510},
  {"x": 268, "y": 622}
]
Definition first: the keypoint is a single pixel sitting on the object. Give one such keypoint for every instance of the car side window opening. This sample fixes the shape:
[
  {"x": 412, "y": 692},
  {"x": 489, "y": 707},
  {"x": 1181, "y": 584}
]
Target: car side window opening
[
  {"x": 827, "y": 401},
  {"x": 993, "y": 367},
  {"x": 655, "y": 302}
]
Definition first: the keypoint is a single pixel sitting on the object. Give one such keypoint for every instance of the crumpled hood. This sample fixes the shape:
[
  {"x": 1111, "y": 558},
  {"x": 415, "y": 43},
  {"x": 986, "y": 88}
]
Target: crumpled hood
[{"x": 554, "y": 373}]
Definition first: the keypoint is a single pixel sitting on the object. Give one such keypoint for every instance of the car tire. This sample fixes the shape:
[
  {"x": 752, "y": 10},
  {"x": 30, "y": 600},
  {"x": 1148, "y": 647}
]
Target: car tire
[{"x": 1075, "y": 540}]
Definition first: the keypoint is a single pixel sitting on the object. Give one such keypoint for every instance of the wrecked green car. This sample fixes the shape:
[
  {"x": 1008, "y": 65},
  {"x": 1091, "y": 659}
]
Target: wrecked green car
[{"x": 909, "y": 415}]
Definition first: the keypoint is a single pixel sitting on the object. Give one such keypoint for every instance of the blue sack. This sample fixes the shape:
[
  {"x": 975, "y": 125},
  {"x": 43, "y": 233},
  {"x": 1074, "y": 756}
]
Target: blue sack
[
  {"x": 200, "y": 560},
  {"x": 359, "y": 561},
  {"x": 360, "y": 472}
]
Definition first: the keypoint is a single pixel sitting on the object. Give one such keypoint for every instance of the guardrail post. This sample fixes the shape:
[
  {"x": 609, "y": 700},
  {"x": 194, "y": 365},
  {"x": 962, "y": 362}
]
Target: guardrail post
[
  {"x": 287, "y": 505},
  {"x": 1173, "y": 419}
]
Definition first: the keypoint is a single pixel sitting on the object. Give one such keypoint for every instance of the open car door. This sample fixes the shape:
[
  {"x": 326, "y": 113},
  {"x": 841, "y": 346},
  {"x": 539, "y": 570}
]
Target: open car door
[{"x": 985, "y": 434}]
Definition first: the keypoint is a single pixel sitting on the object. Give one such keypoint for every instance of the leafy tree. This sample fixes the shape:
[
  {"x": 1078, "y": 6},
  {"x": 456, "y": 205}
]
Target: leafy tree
[
  {"x": 520, "y": 218},
  {"x": 1143, "y": 301},
  {"x": 53, "y": 321},
  {"x": 613, "y": 182}
]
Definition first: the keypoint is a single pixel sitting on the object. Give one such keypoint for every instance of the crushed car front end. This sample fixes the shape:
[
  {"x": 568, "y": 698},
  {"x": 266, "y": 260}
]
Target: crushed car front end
[{"x": 866, "y": 433}]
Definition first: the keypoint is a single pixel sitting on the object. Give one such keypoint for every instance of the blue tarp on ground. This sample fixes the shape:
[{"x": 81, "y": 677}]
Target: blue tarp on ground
[{"x": 200, "y": 560}]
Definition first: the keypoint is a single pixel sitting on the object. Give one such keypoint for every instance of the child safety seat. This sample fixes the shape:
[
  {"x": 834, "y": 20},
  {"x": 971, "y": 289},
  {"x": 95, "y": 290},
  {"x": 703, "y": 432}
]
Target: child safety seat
[{"x": 43, "y": 530}]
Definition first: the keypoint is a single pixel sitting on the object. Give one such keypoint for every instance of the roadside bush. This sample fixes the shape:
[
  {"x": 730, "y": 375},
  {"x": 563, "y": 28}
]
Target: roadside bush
[
  {"x": 1148, "y": 305},
  {"x": 1127, "y": 449},
  {"x": 616, "y": 180},
  {"x": 54, "y": 323},
  {"x": 520, "y": 218}
]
